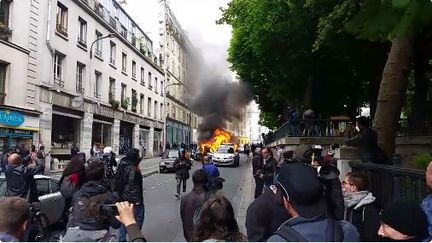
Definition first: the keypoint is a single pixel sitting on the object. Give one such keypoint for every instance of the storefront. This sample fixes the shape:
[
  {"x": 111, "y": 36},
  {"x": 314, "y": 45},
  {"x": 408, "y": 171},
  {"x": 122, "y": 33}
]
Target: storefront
[
  {"x": 125, "y": 140},
  {"x": 101, "y": 131},
  {"x": 157, "y": 143},
  {"x": 144, "y": 135},
  {"x": 17, "y": 129},
  {"x": 178, "y": 134},
  {"x": 66, "y": 126}
]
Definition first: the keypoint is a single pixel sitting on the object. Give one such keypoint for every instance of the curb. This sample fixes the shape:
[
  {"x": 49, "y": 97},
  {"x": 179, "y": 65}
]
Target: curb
[
  {"x": 152, "y": 172},
  {"x": 246, "y": 199}
]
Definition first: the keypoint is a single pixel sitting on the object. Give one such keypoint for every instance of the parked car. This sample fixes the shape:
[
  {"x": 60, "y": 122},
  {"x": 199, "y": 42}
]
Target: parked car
[
  {"x": 226, "y": 155},
  {"x": 167, "y": 161},
  {"x": 50, "y": 208}
]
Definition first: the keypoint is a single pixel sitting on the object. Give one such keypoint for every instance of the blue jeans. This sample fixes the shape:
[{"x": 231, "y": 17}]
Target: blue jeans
[{"x": 139, "y": 217}]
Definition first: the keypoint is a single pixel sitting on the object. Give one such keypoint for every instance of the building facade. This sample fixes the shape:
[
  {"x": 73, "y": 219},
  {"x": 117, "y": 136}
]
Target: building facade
[
  {"x": 100, "y": 83},
  {"x": 19, "y": 114},
  {"x": 253, "y": 128},
  {"x": 181, "y": 123}
]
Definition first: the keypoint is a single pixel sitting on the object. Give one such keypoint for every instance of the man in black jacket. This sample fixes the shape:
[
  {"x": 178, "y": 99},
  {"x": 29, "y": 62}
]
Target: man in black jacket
[
  {"x": 129, "y": 185},
  {"x": 19, "y": 178},
  {"x": 367, "y": 143},
  {"x": 257, "y": 163},
  {"x": 191, "y": 201},
  {"x": 265, "y": 214},
  {"x": 268, "y": 167},
  {"x": 182, "y": 165}
]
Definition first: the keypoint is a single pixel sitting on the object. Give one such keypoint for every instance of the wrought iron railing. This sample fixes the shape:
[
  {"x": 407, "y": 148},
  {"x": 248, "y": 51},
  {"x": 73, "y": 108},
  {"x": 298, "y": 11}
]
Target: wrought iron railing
[
  {"x": 391, "y": 183},
  {"x": 328, "y": 128}
]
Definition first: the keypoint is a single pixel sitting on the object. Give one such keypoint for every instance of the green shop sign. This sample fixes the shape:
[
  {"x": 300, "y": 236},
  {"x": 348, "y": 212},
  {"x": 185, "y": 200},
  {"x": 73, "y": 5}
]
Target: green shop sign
[{"x": 11, "y": 118}]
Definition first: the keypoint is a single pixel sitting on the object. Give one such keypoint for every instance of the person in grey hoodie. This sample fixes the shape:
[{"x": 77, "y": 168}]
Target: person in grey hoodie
[
  {"x": 303, "y": 198},
  {"x": 360, "y": 206}
]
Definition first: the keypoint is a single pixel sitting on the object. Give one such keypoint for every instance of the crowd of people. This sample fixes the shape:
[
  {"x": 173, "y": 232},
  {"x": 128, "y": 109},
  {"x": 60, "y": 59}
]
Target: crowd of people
[{"x": 295, "y": 200}]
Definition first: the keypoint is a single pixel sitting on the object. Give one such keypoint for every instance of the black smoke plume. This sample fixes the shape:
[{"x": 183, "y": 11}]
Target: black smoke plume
[{"x": 214, "y": 95}]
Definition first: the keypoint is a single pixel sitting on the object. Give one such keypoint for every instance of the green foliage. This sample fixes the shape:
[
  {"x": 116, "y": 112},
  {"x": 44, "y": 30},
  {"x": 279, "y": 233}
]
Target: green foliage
[
  {"x": 125, "y": 103},
  {"x": 421, "y": 160},
  {"x": 275, "y": 48}
]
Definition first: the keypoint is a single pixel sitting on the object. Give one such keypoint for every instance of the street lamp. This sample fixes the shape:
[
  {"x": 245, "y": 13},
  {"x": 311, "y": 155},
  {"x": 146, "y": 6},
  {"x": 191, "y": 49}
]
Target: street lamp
[
  {"x": 166, "y": 113},
  {"x": 110, "y": 35}
]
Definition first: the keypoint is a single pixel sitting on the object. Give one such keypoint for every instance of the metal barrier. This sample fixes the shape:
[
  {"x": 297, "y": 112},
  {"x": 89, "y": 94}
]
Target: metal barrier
[{"x": 391, "y": 183}]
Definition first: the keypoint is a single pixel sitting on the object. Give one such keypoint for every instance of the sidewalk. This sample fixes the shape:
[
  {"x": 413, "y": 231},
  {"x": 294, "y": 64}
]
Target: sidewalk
[
  {"x": 247, "y": 197},
  {"x": 148, "y": 166}
]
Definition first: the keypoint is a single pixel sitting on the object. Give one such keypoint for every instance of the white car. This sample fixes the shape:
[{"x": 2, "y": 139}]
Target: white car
[{"x": 226, "y": 155}]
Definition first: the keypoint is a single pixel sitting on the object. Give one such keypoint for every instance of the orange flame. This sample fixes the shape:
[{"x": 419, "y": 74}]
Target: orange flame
[{"x": 219, "y": 137}]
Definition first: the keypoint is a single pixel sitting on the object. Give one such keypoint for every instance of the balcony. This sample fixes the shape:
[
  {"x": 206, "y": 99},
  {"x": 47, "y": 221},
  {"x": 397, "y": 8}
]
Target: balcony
[
  {"x": 99, "y": 9},
  {"x": 97, "y": 95},
  {"x": 80, "y": 89},
  {"x": 113, "y": 22},
  {"x": 98, "y": 53},
  {"x": 134, "y": 75},
  {"x": 142, "y": 83},
  {"x": 150, "y": 87},
  {"x": 133, "y": 40},
  {"x": 61, "y": 30},
  {"x": 58, "y": 81},
  {"x": 82, "y": 42},
  {"x": 112, "y": 61},
  {"x": 5, "y": 32}
]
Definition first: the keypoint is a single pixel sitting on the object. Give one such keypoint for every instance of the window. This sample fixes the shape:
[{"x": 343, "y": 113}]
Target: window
[
  {"x": 123, "y": 92},
  {"x": 161, "y": 112},
  {"x": 4, "y": 12},
  {"x": 58, "y": 68},
  {"x": 155, "y": 111},
  {"x": 149, "y": 105},
  {"x": 61, "y": 19},
  {"x": 111, "y": 94},
  {"x": 142, "y": 104},
  {"x": 150, "y": 80},
  {"x": 112, "y": 52},
  {"x": 161, "y": 88},
  {"x": 82, "y": 35},
  {"x": 98, "y": 84},
  {"x": 156, "y": 85},
  {"x": 124, "y": 62},
  {"x": 142, "y": 76},
  {"x": 134, "y": 100},
  {"x": 134, "y": 70},
  {"x": 3, "y": 67},
  {"x": 123, "y": 31},
  {"x": 98, "y": 43},
  {"x": 79, "y": 77}
]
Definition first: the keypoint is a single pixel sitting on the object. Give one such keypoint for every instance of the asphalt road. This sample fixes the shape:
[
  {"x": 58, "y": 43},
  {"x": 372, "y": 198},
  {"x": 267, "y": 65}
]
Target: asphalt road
[{"x": 162, "y": 210}]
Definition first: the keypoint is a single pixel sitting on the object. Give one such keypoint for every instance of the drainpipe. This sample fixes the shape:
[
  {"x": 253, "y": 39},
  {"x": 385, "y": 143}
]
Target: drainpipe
[{"x": 48, "y": 39}]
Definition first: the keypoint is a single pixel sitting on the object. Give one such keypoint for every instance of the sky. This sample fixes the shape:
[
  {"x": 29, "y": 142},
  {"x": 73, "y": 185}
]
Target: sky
[{"x": 197, "y": 17}]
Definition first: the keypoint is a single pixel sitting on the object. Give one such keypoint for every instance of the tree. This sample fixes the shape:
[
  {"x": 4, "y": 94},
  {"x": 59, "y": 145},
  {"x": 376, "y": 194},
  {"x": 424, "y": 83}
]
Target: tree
[
  {"x": 273, "y": 48},
  {"x": 400, "y": 21}
]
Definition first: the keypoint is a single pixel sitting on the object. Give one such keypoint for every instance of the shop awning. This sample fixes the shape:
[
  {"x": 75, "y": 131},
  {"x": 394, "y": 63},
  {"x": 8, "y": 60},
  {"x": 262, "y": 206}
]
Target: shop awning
[
  {"x": 32, "y": 129},
  {"x": 66, "y": 114}
]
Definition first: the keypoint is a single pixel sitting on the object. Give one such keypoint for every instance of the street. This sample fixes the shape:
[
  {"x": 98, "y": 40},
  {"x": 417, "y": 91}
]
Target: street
[{"x": 162, "y": 211}]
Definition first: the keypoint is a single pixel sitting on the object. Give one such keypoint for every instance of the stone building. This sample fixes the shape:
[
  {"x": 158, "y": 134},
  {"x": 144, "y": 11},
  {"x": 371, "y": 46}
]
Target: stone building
[
  {"x": 181, "y": 122},
  {"x": 19, "y": 76},
  {"x": 100, "y": 82}
]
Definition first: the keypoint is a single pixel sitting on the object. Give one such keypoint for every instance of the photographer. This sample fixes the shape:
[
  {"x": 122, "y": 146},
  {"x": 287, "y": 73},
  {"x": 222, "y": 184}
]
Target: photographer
[{"x": 182, "y": 165}]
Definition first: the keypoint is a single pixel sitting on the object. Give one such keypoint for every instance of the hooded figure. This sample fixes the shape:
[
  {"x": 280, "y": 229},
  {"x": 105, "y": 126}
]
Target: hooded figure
[{"x": 129, "y": 186}]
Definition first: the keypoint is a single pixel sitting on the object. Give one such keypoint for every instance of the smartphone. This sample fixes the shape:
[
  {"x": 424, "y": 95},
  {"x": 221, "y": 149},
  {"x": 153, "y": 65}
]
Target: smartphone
[{"x": 110, "y": 209}]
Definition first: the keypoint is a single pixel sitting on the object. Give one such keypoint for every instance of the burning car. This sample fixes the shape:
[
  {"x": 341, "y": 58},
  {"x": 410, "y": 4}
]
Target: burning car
[{"x": 226, "y": 155}]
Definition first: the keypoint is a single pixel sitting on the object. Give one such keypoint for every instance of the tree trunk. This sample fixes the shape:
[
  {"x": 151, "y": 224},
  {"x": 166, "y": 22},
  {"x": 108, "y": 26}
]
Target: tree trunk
[
  {"x": 418, "y": 111},
  {"x": 392, "y": 92}
]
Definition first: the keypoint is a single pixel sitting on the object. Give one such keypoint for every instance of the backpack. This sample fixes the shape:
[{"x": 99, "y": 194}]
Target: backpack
[
  {"x": 197, "y": 212},
  {"x": 333, "y": 233}
]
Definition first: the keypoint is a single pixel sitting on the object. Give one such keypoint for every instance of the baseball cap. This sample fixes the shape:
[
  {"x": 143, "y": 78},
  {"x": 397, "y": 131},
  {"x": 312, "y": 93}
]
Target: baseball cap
[{"x": 304, "y": 190}]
